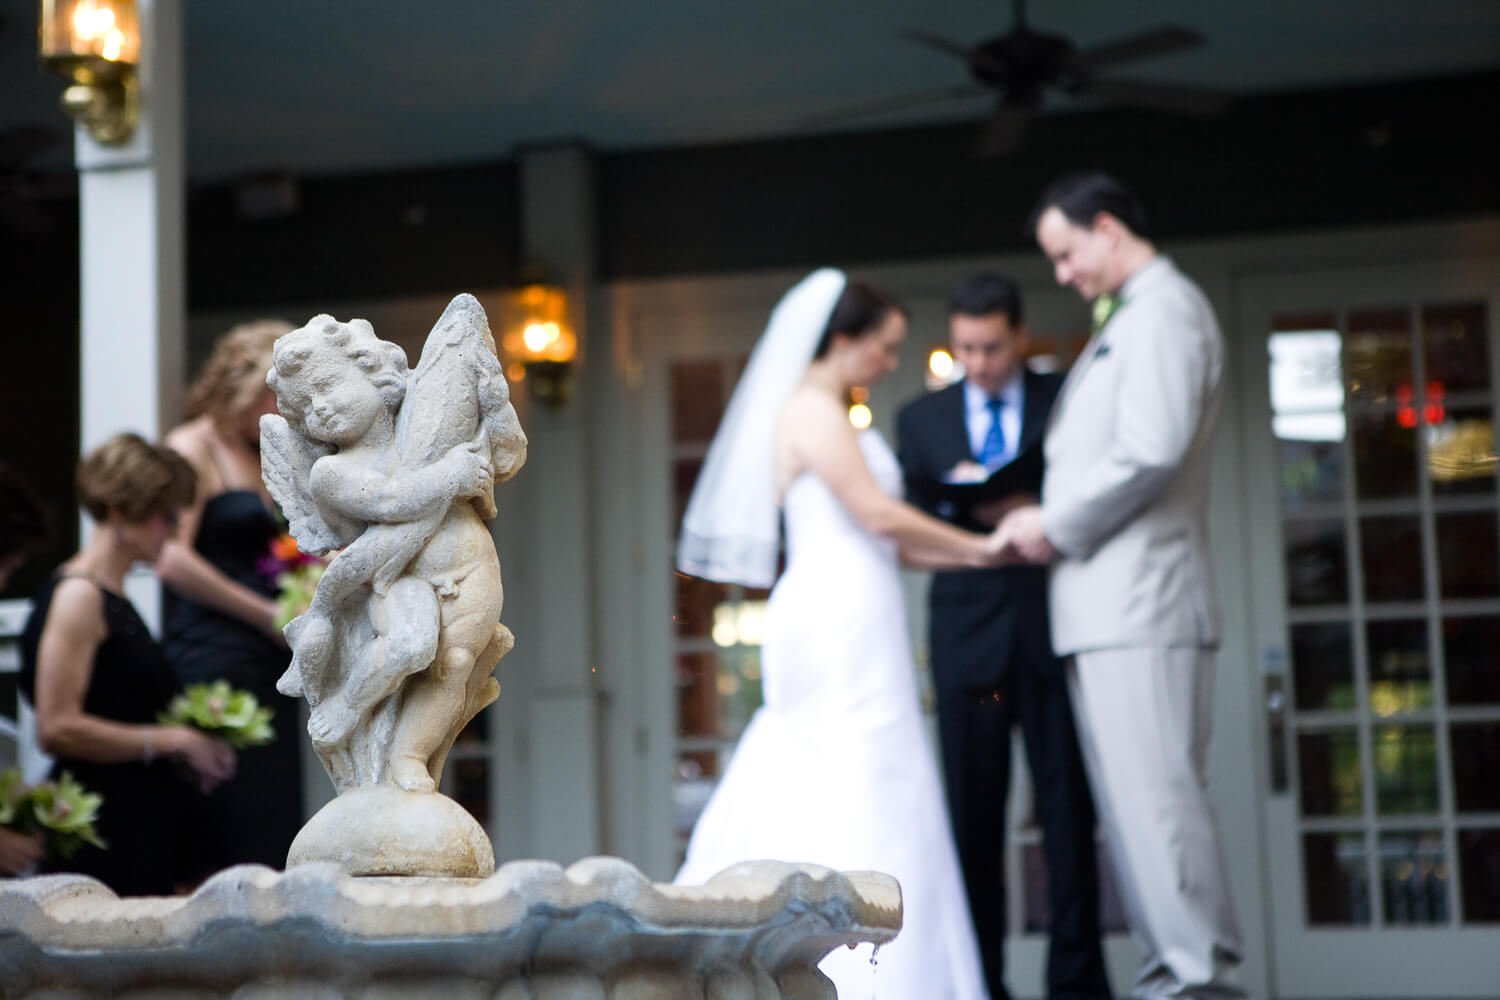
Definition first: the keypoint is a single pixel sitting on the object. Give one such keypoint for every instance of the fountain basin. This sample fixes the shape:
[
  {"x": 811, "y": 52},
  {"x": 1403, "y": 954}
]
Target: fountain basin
[{"x": 598, "y": 930}]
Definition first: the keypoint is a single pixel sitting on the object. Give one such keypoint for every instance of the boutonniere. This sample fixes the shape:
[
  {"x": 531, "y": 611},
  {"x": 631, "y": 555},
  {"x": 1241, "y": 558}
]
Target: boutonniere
[{"x": 1105, "y": 306}]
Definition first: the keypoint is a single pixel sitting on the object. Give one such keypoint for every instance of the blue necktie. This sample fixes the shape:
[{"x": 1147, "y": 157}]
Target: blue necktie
[{"x": 992, "y": 456}]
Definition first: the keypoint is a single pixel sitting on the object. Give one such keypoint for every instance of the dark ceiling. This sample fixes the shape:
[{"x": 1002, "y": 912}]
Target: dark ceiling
[{"x": 334, "y": 87}]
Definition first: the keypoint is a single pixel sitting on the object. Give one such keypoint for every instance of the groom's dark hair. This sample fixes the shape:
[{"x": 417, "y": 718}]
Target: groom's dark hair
[
  {"x": 985, "y": 294},
  {"x": 1082, "y": 196},
  {"x": 860, "y": 309}
]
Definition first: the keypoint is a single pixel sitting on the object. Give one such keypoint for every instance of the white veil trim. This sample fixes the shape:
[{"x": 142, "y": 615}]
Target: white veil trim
[{"x": 731, "y": 530}]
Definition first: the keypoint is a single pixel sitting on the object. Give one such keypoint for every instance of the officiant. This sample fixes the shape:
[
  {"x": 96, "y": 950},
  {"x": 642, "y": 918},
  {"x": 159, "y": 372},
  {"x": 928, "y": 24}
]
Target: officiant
[{"x": 967, "y": 451}]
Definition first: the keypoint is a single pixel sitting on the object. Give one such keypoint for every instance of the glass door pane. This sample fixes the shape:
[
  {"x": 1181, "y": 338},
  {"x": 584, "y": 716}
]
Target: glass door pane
[
  {"x": 1382, "y": 423},
  {"x": 716, "y": 627}
]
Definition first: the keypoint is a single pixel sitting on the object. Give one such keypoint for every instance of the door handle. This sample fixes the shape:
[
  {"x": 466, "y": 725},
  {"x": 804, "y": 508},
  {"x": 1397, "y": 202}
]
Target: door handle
[{"x": 1275, "y": 707}]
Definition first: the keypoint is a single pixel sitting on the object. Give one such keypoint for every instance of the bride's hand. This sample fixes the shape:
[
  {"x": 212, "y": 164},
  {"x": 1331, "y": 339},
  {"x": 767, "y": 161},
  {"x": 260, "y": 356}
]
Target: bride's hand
[{"x": 998, "y": 550}]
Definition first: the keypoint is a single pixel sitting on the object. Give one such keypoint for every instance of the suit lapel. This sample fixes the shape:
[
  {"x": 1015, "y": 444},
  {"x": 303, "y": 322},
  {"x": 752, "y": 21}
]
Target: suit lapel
[
  {"x": 1074, "y": 374},
  {"x": 953, "y": 432},
  {"x": 1033, "y": 411}
]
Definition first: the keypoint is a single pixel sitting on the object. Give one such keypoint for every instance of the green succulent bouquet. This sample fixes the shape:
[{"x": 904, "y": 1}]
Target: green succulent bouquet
[
  {"x": 61, "y": 811},
  {"x": 219, "y": 710}
]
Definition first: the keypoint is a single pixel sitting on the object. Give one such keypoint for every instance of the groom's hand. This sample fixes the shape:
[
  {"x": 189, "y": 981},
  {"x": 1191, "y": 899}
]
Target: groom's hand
[{"x": 1024, "y": 534}]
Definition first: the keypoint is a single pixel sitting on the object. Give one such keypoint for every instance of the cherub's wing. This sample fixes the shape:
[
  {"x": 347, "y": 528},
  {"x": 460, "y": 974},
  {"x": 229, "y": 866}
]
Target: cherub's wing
[{"x": 286, "y": 460}]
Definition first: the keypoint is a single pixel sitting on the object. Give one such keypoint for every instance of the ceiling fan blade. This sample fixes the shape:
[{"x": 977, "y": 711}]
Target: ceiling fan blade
[
  {"x": 899, "y": 102},
  {"x": 938, "y": 42},
  {"x": 1144, "y": 46},
  {"x": 977, "y": 59},
  {"x": 1161, "y": 97},
  {"x": 1004, "y": 131}
]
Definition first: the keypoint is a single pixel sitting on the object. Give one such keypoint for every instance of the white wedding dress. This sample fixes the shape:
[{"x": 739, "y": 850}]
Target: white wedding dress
[{"x": 836, "y": 768}]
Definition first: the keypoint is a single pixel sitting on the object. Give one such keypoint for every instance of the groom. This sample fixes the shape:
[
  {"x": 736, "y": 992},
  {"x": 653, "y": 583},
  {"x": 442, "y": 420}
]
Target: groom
[{"x": 992, "y": 661}]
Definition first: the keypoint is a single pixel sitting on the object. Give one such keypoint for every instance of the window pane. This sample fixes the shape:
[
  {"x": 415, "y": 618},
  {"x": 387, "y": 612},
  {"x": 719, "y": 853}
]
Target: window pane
[
  {"x": 1316, "y": 568},
  {"x": 1307, "y": 403},
  {"x": 684, "y": 477},
  {"x": 1467, "y": 545},
  {"x": 1461, "y": 451},
  {"x": 696, "y": 599},
  {"x": 1334, "y": 870},
  {"x": 1391, "y": 552},
  {"x": 1413, "y": 878},
  {"x": 1471, "y": 652},
  {"x": 1322, "y": 667},
  {"x": 1329, "y": 773},
  {"x": 1479, "y": 868},
  {"x": 1377, "y": 351},
  {"x": 1385, "y": 454},
  {"x": 1456, "y": 345},
  {"x": 1406, "y": 780},
  {"x": 738, "y": 681},
  {"x": 698, "y": 694},
  {"x": 1476, "y": 766},
  {"x": 1400, "y": 668},
  {"x": 1311, "y": 472},
  {"x": 697, "y": 400}
]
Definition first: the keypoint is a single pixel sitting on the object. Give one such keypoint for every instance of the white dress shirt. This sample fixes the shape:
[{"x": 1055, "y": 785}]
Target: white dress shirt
[{"x": 977, "y": 415}]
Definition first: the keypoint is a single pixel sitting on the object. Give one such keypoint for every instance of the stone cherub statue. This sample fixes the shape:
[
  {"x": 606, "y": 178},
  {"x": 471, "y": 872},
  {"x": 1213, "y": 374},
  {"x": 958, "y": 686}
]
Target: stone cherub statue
[{"x": 396, "y": 469}]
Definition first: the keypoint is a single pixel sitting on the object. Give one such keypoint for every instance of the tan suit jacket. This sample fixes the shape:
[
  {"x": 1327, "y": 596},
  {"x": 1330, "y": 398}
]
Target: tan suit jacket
[{"x": 1125, "y": 499}]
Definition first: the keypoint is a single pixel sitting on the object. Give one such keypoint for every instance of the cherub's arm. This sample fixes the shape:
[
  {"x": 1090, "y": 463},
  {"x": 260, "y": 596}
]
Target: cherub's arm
[{"x": 345, "y": 487}]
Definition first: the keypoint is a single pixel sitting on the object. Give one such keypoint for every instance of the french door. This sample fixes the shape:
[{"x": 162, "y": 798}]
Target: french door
[{"x": 1374, "y": 566}]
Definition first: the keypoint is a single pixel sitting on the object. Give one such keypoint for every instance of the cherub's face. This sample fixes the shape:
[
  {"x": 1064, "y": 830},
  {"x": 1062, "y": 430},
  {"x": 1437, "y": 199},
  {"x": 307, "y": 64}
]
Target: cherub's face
[{"x": 338, "y": 402}]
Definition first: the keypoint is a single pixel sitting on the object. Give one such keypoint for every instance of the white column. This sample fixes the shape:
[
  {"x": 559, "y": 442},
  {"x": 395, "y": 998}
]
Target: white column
[
  {"x": 130, "y": 210},
  {"x": 556, "y": 813}
]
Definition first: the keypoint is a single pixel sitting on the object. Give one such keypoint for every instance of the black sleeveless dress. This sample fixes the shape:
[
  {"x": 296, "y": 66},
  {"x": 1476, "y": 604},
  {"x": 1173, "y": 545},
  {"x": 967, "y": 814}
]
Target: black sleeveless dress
[
  {"x": 140, "y": 817},
  {"x": 253, "y": 816}
]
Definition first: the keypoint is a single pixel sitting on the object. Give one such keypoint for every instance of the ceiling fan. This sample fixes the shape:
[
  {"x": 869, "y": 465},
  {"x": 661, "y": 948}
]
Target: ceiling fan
[{"x": 1019, "y": 68}]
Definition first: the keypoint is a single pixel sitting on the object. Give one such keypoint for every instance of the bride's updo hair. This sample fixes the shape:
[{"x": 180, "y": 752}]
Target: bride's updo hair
[{"x": 860, "y": 310}]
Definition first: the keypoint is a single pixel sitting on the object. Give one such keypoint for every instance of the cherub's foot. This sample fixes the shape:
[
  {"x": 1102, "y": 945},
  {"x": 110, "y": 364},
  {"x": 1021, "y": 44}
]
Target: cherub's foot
[
  {"x": 311, "y": 639},
  {"x": 332, "y": 720},
  {"x": 411, "y": 774}
]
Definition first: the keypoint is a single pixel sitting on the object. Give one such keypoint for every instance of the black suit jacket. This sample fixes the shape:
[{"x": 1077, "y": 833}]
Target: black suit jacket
[{"x": 982, "y": 621}]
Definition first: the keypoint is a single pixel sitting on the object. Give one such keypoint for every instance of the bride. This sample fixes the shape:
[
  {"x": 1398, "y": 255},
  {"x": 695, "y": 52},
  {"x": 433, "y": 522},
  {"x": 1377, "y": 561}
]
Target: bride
[{"x": 835, "y": 769}]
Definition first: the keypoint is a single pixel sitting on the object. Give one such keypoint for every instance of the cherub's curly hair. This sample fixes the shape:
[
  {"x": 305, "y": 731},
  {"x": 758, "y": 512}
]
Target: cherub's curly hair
[
  {"x": 383, "y": 362},
  {"x": 235, "y": 373}
]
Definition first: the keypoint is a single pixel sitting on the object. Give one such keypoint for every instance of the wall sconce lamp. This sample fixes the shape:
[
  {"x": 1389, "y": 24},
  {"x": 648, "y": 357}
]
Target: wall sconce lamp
[
  {"x": 942, "y": 370},
  {"x": 539, "y": 344},
  {"x": 95, "y": 44}
]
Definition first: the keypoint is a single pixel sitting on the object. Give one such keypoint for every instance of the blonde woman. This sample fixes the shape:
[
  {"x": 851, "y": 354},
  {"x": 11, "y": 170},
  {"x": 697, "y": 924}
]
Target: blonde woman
[
  {"x": 98, "y": 679},
  {"x": 220, "y": 622}
]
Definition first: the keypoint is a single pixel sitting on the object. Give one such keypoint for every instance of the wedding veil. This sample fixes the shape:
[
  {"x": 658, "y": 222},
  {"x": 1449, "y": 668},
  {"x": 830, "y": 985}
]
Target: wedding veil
[{"x": 730, "y": 532}]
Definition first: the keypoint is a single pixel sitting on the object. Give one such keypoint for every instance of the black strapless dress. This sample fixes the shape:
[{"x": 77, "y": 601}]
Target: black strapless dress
[
  {"x": 253, "y": 816},
  {"x": 140, "y": 818}
]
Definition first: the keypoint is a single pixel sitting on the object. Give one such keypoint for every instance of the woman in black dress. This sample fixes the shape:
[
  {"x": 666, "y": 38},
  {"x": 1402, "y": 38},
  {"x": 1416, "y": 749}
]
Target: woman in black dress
[
  {"x": 98, "y": 680},
  {"x": 222, "y": 601}
]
